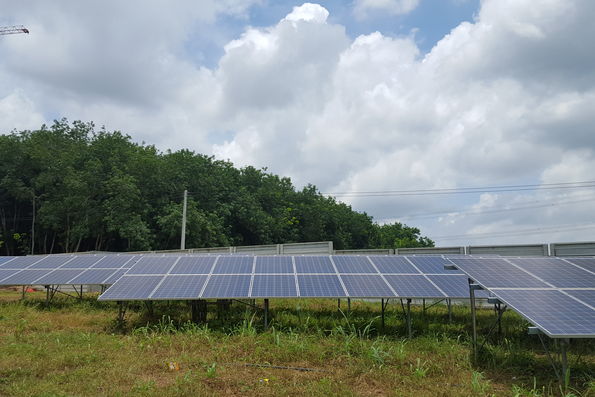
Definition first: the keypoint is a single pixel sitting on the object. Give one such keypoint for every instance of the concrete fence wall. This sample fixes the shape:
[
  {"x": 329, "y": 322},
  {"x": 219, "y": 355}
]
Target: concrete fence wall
[
  {"x": 573, "y": 249},
  {"x": 509, "y": 250}
]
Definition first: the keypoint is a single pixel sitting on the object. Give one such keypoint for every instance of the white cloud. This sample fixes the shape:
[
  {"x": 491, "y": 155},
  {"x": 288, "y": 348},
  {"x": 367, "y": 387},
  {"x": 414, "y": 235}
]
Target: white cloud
[{"x": 506, "y": 99}]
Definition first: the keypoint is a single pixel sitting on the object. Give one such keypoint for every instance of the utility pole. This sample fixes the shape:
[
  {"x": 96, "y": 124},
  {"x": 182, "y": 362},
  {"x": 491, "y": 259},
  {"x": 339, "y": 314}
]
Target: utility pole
[{"x": 183, "y": 239}]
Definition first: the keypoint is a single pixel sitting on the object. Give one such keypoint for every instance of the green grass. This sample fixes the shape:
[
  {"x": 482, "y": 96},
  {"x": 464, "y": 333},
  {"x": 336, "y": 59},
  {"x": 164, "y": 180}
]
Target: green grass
[{"x": 77, "y": 348}]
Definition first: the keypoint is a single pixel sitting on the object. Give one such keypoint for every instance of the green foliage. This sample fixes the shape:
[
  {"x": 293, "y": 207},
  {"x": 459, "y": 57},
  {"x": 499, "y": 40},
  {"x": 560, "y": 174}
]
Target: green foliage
[{"x": 85, "y": 189}]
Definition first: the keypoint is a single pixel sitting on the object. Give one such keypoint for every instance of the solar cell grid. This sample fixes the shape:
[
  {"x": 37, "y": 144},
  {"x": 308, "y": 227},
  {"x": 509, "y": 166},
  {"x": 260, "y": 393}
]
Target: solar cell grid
[
  {"x": 21, "y": 262},
  {"x": 413, "y": 286},
  {"x": 194, "y": 265},
  {"x": 274, "y": 264},
  {"x": 553, "y": 312},
  {"x": 58, "y": 276},
  {"x": 131, "y": 288},
  {"x": 180, "y": 287},
  {"x": 115, "y": 276},
  {"x": 393, "y": 264},
  {"x": 232, "y": 286},
  {"x": 93, "y": 277},
  {"x": 353, "y": 264},
  {"x": 585, "y": 295},
  {"x": 432, "y": 264},
  {"x": 5, "y": 273},
  {"x": 115, "y": 262},
  {"x": 277, "y": 285},
  {"x": 25, "y": 277},
  {"x": 153, "y": 265},
  {"x": 82, "y": 262},
  {"x": 4, "y": 259},
  {"x": 314, "y": 264},
  {"x": 367, "y": 286},
  {"x": 52, "y": 262},
  {"x": 556, "y": 272},
  {"x": 234, "y": 265},
  {"x": 585, "y": 263},
  {"x": 320, "y": 286},
  {"x": 497, "y": 273}
]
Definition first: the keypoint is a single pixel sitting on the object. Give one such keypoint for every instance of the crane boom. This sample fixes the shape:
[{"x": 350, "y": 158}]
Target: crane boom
[{"x": 13, "y": 29}]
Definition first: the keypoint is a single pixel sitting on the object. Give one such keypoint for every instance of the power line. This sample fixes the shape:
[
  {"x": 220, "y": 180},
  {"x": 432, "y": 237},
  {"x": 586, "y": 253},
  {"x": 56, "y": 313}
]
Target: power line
[
  {"x": 523, "y": 232},
  {"x": 465, "y": 190}
]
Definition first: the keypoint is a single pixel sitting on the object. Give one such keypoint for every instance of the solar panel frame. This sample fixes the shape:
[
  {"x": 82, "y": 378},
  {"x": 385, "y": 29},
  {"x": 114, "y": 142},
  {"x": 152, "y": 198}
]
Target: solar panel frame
[
  {"x": 314, "y": 265},
  {"x": 320, "y": 286},
  {"x": 227, "y": 286},
  {"x": 58, "y": 277},
  {"x": 22, "y": 262},
  {"x": 352, "y": 264},
  {"x": 274, "y": 286},
  {"x": 25, "y": 277},
  {"x": 193, "y": 265},
  {"x": 584, "y": 295},
  {"x": 388, "y": 264},
  {"x": 274, "y": 265},
  {"x": 556, "y": 272},
  {"x": 135, "y": 287},
  {"x": 413, "y": 286},
  {"x": 367, "y": 286},
  {"x": 94, "y": 277},
  {"x": 179, "y": 287},
  {"x": 82, "y": 262}
]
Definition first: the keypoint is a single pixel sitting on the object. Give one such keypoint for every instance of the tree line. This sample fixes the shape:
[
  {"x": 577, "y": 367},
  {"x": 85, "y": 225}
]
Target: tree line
[{"x": 70, "y": 187}]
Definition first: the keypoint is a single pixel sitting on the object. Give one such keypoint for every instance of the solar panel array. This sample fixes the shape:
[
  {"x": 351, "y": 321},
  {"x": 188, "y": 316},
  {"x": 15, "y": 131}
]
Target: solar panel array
[
  {"x": 556, "y": 295},
  {"x": 64, "y": 269},
  {"x": 199, "y": 277}
]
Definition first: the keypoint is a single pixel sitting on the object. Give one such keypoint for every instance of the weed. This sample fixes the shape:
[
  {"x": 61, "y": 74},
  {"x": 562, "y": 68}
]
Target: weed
[
  {"x": 212, "y": 370},
  {"x": 420, "y": 370},
  {"x": 478, "y": 383}
]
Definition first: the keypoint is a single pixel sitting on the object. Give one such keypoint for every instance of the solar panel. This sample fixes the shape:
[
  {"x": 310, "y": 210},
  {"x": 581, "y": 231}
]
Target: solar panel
[
  {"x": 556, "y": 272},
  {"x": 82, "y": 262},
  {"x": 314, "y": 264},
  {"x": 393, "y": 264},
  {"x": 58, "y": 276},
  {"x": 585, "y": 263},
  {"x": 115, "y": 262},
  {"x": 51, "y": 262},
  {"x": 25, "y": 277},
  {"x": 194, "y": 265},
  {"x": 153, "y": 265},
  {"x": 555, "y": 313},
  {"x": 115, "y": 276},
  {"x": 93, "y": 277},
  {"x": 131, "y": 288},
  {"x": 413, "y": 286},
  {"x": 231, "y": 286},
  {"x": 585, "y": 295},
  {"x": 455, "y": 286},
  {"x": 180, "y": 287},
  {"x": 274, "y": 264},
  {"x": 353, "y": 264},
  {"x": 234, "y": 265},
  {"x": 5, "y": 273},
  {"x": 497, "y": 273},
  {"x": 21, "y": 262},
  {"x": 4, "y": 259},
  {"x": 320, "y": 286},
  {"x": 277, "y": 285},
  {"x": 367, "y": 286},
  {"x": 432, "y": 265}
]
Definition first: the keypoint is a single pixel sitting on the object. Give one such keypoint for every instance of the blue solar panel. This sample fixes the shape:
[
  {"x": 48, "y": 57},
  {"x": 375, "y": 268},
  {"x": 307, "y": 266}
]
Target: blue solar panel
[
  {"x": 413, "y": 286},
  {"x": 180, "y": 287},
  {"x": 115, "y": 276},
  {"x": 25, "y": 277},
  {"x": 236, "y": 286},
  {"x": 556, "y": 272},
  {"x": 314, "y": 264},
  {"x": 52, "y": 262},
  {"x": 274, "y": 264},
  {"x": 115, "y": 262},
  {"x": 455, "y": 286},
  {"x": 93, "y": 277},
  {"x": 5, "y": 273},
  {"x": 367, "y": 286},
  {"x": 393, "y": 264},
  {"x": 555, "y": 313},
  {"x": 585, "y": 295},
  {"x": 153, "y": 265},
  {"x": 585, "y": 263},
  {"x": 59, "y": 277},
  {"x": 234, "y": 265},
  {"x": 194, "y": 265},
  {"x": 82, "y": 262},
  {"x": 353, "y": 264},
  {"x": 432, "y": 265},
  {"x": 21, "y": 262},
  {"x": 277, "y": 285},
  {"x": 320, "y": 286},
  {"x": 497, "y": 273},
  {"x": 4, "y": 259},
  {"x": 131, "y": 288}
]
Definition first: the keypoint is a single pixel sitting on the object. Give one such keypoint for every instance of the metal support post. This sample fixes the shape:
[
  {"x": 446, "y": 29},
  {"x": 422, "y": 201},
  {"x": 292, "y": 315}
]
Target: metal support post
[
  {"x": 382, "y": 308},
  {"x": 499, "y": 320},
  {"x": 23, "y": 294},
  {"x": 348, "y": 305},
  {"x": 183, "y": 238},
  {"x": 564, "y": 362},
  {"x": 339, "y": 304},
  {"x": 449, "y": 304},
  {"x": 47, "y": 295},
  {"x": 121, "y": 312},
  {"x": 409, "y": 330},
  {"x": 266, "y": 314},
  {"x": 423, "y": 305},
  {"x": 473, "y": 320}
]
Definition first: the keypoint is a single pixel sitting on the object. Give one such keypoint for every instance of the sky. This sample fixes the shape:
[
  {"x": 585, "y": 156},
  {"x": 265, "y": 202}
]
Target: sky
[{"x": 413, "y": 111}]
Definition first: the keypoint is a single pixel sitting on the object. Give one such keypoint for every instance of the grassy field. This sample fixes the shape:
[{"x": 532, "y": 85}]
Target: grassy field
[{"x": 77, "y": 348}]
